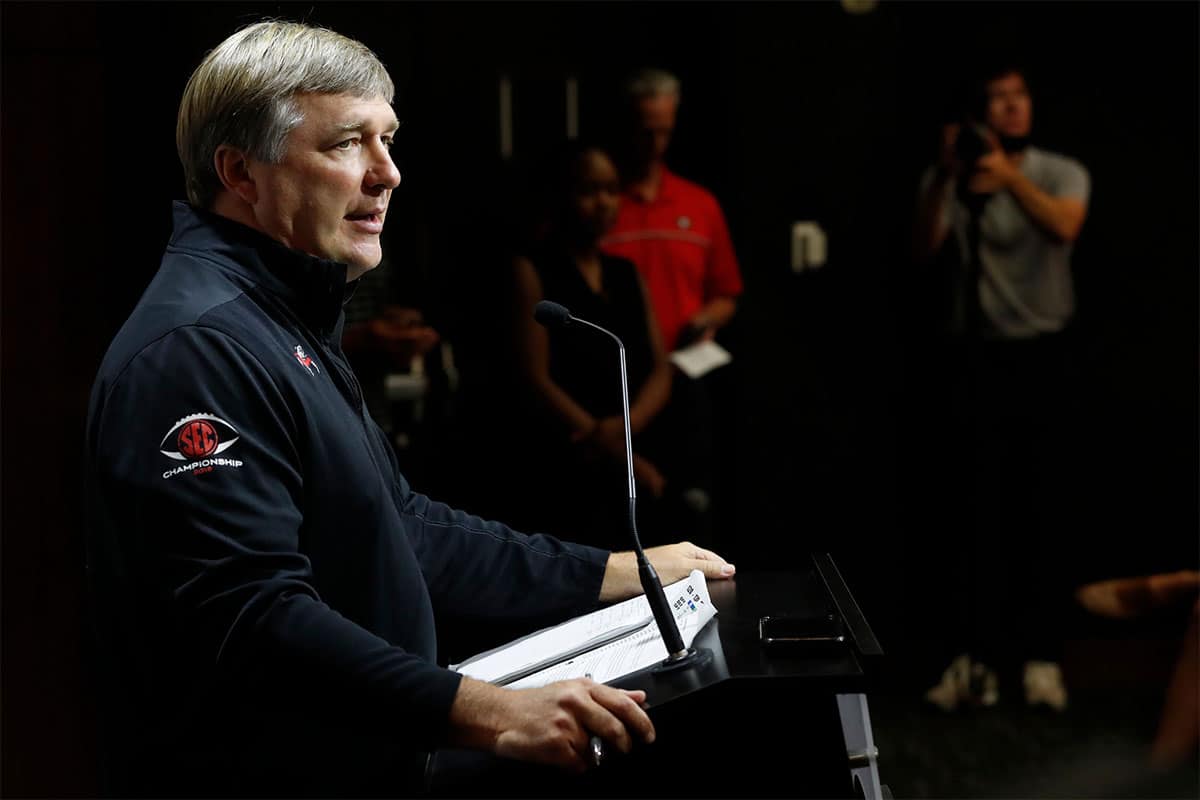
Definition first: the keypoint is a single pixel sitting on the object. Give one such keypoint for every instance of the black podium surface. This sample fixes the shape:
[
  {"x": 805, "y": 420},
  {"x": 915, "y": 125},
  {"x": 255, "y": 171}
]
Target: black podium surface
[
  {"x": 753, "y": 721},
  {"x": 732, "y": 637},
  {"x": 745, "y": 721}
]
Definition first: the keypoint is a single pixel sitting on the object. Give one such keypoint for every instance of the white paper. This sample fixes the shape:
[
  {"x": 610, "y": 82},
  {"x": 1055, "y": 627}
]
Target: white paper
[
  {"x": 689, "y": 601},
  {"x": 700, "y": 358}
]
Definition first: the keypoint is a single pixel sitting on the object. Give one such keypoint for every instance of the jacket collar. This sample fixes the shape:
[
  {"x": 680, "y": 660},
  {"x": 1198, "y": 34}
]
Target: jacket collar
[{"x": 315, "y": 288}]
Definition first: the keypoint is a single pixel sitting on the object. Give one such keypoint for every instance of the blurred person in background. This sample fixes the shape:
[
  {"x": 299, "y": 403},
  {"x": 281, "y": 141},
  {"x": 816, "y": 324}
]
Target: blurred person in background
[
  {"x": 384, "y": 337},
  {"x": 674, "y": 231},
  {"x": 1000, "y": 217},
  {"x": 574, "y": 372}
]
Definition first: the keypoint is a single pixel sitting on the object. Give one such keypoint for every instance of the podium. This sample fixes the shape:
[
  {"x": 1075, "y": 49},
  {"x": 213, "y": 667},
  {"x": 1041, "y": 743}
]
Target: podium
[{"x": 746, "y": 721}]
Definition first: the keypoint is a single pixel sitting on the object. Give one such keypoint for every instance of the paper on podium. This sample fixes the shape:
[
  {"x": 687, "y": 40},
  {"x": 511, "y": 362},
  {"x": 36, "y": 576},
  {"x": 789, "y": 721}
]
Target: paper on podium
[
  {"x": 594, "y": 644},
  {"x": 700, "y": 358}
]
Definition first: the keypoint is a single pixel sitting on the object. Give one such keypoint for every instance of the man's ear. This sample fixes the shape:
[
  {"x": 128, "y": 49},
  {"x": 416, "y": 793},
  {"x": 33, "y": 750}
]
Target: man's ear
[{"x": 234, "y": 172}]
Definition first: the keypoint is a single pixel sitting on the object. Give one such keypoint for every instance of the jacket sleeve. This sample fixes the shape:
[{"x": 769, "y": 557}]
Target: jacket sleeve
[
  {"x": 211, "y": 539},
  {"x": 480, "y": 569}
]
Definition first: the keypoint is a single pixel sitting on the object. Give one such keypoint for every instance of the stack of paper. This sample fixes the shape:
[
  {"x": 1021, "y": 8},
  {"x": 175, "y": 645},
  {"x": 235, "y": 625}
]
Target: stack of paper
[{"x": 605, "y": 644}]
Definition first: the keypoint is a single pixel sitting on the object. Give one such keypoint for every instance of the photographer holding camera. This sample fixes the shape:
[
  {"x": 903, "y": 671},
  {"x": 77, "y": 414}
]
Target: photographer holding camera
[
  {"x": 1001, "y": 216},
  {"x": 1030, "y": 205}
]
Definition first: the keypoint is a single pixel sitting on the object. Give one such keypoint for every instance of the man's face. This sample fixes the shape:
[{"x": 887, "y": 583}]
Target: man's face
[
  {"x": 654, "y": 121},
  {"x": 329, "y": 194},
  {"x": 1009, "y": 109}
]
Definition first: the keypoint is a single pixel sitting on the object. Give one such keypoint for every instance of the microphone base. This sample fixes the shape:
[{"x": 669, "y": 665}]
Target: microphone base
[{"x": 693, "y": 658}]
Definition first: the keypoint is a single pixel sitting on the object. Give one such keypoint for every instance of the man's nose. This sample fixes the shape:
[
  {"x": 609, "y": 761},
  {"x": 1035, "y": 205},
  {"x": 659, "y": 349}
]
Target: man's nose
[{"x": 382, "y": 172}]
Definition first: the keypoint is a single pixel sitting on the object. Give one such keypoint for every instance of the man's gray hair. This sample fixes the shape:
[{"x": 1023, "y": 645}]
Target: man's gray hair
[
  {"x": 242, "y": 94},
  {"x": 652, "y": 83}
]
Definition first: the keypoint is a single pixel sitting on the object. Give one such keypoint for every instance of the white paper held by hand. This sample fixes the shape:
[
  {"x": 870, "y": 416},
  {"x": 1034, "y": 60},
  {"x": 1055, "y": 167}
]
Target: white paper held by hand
[{"x": 701, "y": 358}]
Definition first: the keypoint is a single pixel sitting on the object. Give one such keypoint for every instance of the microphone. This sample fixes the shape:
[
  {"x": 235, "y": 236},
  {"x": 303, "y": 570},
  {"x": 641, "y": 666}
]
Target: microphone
[{"x": 553, "y": 315}]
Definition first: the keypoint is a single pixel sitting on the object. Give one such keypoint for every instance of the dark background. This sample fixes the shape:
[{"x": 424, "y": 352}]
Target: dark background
[{"x": 791, "y": 111}]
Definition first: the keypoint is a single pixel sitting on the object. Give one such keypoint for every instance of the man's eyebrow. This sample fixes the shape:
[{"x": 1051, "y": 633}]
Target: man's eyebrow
[{"x": 359, "y": 125}]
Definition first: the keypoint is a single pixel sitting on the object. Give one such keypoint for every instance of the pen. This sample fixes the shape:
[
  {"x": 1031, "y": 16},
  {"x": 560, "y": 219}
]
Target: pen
[{"x": 596, "y": 743}]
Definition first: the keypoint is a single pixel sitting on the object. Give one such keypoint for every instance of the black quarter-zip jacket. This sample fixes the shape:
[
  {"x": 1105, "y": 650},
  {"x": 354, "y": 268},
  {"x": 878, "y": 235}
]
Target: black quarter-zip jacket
[{"x": 264, "y": 579}]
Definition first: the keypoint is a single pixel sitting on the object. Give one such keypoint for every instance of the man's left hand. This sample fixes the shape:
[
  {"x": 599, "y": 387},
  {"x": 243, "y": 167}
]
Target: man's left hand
[
  {"x": 994, "y": 171},
  {"x": 671, "y": 561}
]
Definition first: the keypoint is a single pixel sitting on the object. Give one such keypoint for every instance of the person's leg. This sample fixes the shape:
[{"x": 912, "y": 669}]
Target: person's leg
[
  {"x": 998, "y": 489},
  {"x": 966, "y": 559},
  {"x": 1042, "y": 403},
  {"x": 937, "y": 487}
]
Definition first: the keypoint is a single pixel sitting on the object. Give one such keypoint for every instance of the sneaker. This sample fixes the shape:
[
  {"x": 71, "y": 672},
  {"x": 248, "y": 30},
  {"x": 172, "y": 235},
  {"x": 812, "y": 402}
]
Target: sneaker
[
  {"x": 984, "y": 687},
  {"x": 953, "y": 686},
  {"x": 965, "y": 683},
  {"x": 1044, "y": 685}
]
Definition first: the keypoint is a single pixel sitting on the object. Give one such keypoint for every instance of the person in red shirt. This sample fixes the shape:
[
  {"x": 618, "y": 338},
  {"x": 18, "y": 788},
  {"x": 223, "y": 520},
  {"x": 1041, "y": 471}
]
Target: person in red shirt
[
  {"x": 671, "y": 228},
  {"x": 674, "y": 232}
]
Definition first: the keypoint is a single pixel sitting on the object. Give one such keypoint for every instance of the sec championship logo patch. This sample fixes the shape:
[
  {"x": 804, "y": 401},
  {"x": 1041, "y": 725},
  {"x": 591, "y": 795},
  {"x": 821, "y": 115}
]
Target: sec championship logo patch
[{"x": 198, "y": 439}]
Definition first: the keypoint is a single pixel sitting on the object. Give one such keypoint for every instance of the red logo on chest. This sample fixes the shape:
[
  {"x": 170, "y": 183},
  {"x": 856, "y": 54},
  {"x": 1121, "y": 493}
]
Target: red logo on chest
[{"x": 306, "y": 360}]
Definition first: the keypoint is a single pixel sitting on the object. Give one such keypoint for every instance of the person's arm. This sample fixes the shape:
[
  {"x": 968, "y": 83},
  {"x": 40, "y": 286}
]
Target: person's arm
[
  {"x": 932, "y": 226},
  {"x": 1125, "y": 598},
  {"x": 937, "y": 192},
  {"x": 671, "y": 561},
  {"x": 1060, "y": 216},
  {"x": 655, "y": 391},
  {"x": 481, "y": 568},
  {"x": 534, "y": 343},
  {"x": 713, "y": 315}
]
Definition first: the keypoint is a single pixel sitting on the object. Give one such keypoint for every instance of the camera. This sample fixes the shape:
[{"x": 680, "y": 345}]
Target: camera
[{"x": 972, "y": 143}]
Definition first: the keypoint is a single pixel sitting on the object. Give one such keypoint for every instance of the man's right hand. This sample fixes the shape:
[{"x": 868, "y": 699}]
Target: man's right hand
[{"x": 549, "y": 725}]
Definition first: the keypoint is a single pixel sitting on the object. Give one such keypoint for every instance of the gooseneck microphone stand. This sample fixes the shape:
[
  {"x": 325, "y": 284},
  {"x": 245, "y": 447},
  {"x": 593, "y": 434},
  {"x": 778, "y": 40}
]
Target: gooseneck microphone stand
[{"x": 553, "y": 315}]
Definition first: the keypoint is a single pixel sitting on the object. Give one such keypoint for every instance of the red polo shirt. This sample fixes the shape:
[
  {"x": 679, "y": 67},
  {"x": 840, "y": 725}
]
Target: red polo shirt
[{"x": 680, "y": 244}]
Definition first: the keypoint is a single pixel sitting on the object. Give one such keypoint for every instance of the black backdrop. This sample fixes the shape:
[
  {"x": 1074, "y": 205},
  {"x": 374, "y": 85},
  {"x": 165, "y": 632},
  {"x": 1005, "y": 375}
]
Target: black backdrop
[{"x": 791, "y": 111}]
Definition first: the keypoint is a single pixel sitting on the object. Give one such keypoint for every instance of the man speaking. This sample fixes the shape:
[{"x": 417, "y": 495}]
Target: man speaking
[{"x": 265, "y": 581}]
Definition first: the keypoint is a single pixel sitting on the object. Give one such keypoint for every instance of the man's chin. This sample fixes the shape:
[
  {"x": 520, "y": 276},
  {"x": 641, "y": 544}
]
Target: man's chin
[
  {"x": 359, "y": 264},
  {"x": 363, "y": 258}
]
